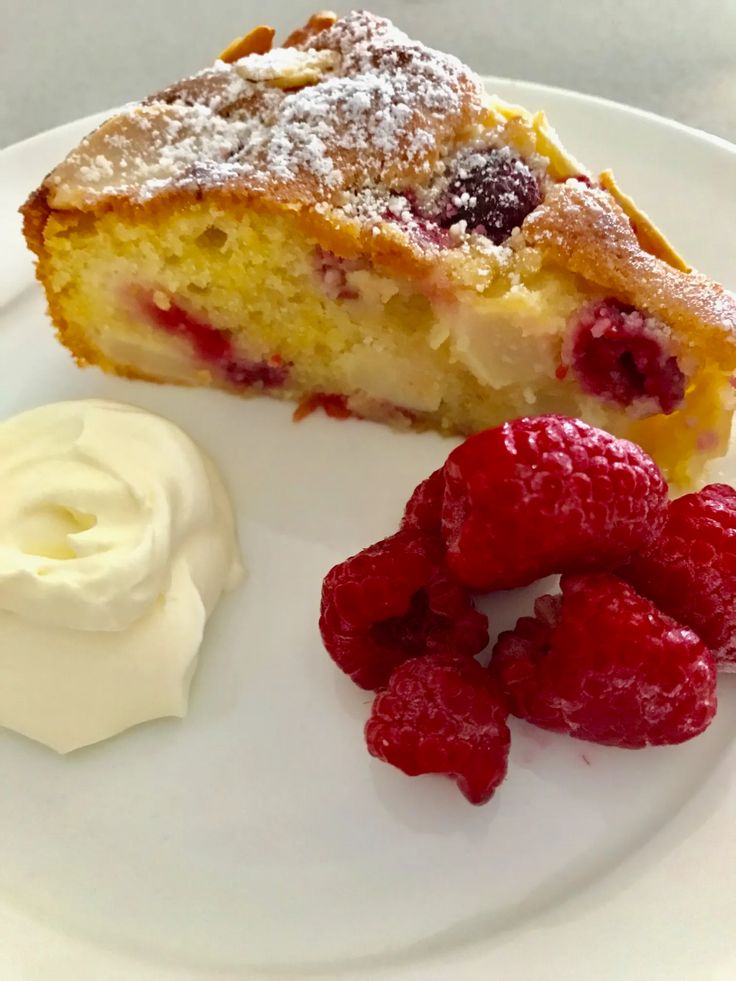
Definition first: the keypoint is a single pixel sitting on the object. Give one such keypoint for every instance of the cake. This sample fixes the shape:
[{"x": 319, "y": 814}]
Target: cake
[{"x": 349, "y": 221}]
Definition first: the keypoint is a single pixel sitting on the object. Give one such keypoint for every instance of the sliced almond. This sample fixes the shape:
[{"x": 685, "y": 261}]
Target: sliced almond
[
  {"x": 561, "y": 163},
  {"x": 649, "y": 236},
  {"x": 257, "y": 41},
  {"x": 533, "y": 134},
  {"x": 316, "y": 23}
]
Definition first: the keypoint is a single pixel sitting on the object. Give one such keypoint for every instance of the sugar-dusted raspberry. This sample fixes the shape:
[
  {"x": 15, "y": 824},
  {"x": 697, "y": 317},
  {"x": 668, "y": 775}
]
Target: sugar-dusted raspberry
[
  {"x": 621, "y": 354},
  {"x": 689, "y": 571},
  {"x": 492, "y": 193},
  {"x": 602, "y": 663},
  {"x": 443, "y": 714},
  {"x": 423, "y": 511},
  {"x": 394, "y": 601},
  {"x": 543, "y": 495}
]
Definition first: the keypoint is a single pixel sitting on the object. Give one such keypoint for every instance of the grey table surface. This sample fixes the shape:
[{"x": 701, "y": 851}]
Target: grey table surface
[{"x": 62, "y": 59}]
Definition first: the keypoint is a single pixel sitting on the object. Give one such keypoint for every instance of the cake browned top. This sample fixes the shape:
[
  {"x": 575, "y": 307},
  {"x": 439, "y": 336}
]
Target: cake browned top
[{"x": 358, "y": 102}]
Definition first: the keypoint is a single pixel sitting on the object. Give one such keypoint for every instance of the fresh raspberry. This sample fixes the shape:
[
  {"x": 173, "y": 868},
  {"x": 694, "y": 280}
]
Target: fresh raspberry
[
  {"x": 423, "y": 511},
  {"x": 690, "y": 570},
  {"x": 543, "y": 495},
  {"x": 394, "y": 601},
  {"x": 620, "y": 354},
  {"x": 602, "y": 663},
  {"x": 493, "y": 193},
  {"x": 443, "y": 714}
]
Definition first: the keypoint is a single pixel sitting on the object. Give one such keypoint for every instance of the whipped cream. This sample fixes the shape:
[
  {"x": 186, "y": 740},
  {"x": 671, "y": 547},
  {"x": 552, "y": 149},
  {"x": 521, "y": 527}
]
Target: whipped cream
[{"x": 116, "y": 542}]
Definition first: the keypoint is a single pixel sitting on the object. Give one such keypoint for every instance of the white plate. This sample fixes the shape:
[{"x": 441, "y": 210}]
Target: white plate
[{"x": 257, "y": 836}]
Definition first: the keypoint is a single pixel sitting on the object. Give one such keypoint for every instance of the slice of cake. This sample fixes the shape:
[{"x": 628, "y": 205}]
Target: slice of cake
[{"x": 348, "y": 220}]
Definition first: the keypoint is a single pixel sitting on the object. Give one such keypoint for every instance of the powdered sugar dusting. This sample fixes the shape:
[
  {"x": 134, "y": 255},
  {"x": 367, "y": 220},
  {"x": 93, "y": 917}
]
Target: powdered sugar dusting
[
  {"x": 144, "y": 147},
  {"x": 279, "y": 63},
  {"x": 359, "y": 104}
]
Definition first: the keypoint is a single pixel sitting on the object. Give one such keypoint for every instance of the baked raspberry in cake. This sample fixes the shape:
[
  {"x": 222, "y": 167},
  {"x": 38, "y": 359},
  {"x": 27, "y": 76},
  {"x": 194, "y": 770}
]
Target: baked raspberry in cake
[{"x": 349, "y": 221}]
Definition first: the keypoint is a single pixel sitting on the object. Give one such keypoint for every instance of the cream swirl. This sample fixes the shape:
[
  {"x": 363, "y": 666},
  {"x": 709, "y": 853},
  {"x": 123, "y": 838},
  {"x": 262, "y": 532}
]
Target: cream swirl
[{"x": 116, "y": 541}]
